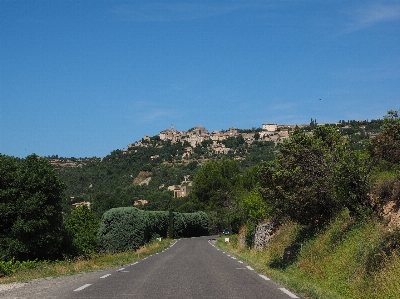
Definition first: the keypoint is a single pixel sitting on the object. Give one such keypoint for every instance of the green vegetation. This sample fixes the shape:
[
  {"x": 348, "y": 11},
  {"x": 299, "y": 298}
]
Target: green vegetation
[
  {"x": 14, "y": 271},
  {"x": 346, "y": 259},
  {"x": 124, "y": 229},
  {"x": 325, "y": 189},
  {"x": 314, "y": 177},
  {"x": 31, "y": 224},
  {"x": 82, "y": 227}
]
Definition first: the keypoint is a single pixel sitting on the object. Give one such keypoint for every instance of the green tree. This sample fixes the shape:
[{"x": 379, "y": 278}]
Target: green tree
[
  {"x": 314, "y": 177},
  {"x": 82, "y": 227},
  {"x": 386, "y": 145},
  {"x": 255, "y": 209},
  {"x": 31, "y": 198},
  {"x": 215, "y": 188}
]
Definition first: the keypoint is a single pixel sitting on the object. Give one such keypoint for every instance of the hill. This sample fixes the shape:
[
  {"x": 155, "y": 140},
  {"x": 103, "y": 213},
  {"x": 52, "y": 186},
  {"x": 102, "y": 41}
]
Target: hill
[{"x": 171, "y": 156}]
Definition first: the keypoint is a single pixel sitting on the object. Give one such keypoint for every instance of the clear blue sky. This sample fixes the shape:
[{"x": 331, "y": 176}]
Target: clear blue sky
[{"x": 83, "y": 78}]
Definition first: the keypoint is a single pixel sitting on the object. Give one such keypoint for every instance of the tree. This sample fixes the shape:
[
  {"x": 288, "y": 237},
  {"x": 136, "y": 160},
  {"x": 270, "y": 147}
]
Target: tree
[
  {"x": 386, "y": 145},
  {"x": 82, "y": 227},
  {"x": 314, "y": 177},
  {"x": 215, "y": 188},
  {"x": 31, "y": 196}
]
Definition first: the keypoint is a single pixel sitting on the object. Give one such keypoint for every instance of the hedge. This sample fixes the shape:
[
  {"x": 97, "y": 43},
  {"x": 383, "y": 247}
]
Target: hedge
[
  {"x": 128, "y": 228},
  {"x": 122, "y": 229}
]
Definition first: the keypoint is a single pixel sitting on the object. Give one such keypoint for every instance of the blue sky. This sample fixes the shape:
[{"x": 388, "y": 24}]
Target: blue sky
[{"x": 83, "y": 78}]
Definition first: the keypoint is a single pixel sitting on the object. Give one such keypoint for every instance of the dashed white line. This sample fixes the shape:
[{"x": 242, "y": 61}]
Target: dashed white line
[
  {"x": 232, "y": 257},
  {"x": 104, "y": 276},
  {"x": 82, "y": 287},
  {"x": 240, "y": 262},
  {"x": 250, "y": 268},
  {"x": 264, "y": 277},
  {"x": 121, "y": 269},
  {"x": 290, "y": 294}
]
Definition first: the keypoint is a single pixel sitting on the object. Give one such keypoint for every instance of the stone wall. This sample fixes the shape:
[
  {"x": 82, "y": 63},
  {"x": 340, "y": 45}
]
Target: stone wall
[{"x": 263, "y": 234}]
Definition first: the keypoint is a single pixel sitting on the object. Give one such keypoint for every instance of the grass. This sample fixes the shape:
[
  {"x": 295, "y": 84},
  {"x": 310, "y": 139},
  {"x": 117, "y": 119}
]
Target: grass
[
  {"x": 348, "y": 259},
  {"x": 44, "y": 269}
]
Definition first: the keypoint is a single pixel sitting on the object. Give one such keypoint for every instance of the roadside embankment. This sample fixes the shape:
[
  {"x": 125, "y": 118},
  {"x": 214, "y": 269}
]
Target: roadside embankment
[{"x": 346, "y": 259}]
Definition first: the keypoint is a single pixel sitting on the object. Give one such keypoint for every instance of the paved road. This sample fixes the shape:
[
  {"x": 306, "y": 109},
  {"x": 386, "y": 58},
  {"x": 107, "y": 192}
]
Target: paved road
[{"x": 190, "y": 268}]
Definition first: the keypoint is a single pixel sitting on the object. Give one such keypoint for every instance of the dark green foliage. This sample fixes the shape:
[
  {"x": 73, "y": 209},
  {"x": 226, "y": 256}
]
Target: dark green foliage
[
  {"x": 158, "y": 222},
  {"x": 122, "y": 229},
  {"x": 249, "y": 236},
  {"x": 128, "y": 228},
  {"x": 386, "y": 145},
  {"x": 216, "y": 186},
  {"x": 82, "y": 227},
  {"x": 190, "y": 224},
  {"x": 314, "y": 177},
  {"x": 30, "y": 205}
]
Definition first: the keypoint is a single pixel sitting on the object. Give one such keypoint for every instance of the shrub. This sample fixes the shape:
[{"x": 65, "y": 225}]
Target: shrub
[
  {"x": 122, "y": 229},
  {"x": 314, "y": 177},
  {"x": 31, "y": 224},
  {"x": 157, "y": 222},
  {"x": 129, "y": 228},
  {"x": 82, "y": 227}
]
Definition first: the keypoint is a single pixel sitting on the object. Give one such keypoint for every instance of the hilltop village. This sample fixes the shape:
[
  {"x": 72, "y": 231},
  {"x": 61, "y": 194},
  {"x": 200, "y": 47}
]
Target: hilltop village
[{"x": 197, "y": 135}]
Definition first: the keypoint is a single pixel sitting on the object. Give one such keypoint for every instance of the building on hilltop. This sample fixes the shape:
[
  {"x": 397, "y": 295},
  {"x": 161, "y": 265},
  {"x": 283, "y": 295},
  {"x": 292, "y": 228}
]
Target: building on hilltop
[{"x": 270, "y": 127}]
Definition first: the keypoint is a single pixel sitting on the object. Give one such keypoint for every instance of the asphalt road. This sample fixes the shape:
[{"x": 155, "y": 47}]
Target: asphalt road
[{"x": 190, "y": 268}]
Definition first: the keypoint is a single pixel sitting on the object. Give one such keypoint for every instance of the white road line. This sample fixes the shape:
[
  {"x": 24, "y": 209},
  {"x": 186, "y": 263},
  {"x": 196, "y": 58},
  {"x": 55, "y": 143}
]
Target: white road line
[
  {"x": 121, "y": 269},
  {"x": 240, "y": 262},
  {"x": 82, "y": 287},
  {"x": 125, "y": 271},
  {"x": 264, "y": 277},
  {"x": 250, "y": 268},
  {"x": 104, "y": 276},
  {"x": 232, "y": 257},
  {"x": 134, "y": 263},
  {"x": 291, "y": 295}
]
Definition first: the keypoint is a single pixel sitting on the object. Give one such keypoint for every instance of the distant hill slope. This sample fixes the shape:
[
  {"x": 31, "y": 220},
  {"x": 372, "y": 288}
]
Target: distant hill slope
[{"x": 109, "y": 181}]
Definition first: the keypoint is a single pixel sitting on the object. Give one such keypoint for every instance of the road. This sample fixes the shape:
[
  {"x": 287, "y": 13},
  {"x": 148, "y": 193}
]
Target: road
[{"x": 190, "y": 268}]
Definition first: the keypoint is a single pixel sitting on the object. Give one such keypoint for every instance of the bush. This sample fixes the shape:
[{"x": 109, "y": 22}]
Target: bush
[
  {"x": 129, "y": 228},
  {"x": 122, "y": 229},
  {"x": 157, "y": 222},
  {"x": 315, "y": 177},
  {"x": 31, "y": 224},
  {"x": 82, "y": 227}
]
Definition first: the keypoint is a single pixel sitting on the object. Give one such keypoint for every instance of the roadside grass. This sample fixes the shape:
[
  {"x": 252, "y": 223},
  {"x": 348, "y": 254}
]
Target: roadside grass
[
  {"x": 348, "y": 259},
  {"x": 43, "y": 269}
]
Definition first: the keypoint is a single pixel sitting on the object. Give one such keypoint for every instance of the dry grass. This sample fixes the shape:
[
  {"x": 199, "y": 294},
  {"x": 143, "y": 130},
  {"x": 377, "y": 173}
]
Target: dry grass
[
  {"x": 80, "y": 265},
  {"x": 346, "y": 260}
]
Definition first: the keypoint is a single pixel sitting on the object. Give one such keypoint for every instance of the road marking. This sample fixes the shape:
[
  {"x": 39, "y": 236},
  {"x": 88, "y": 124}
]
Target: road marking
[
  {"x": 121, "y": 269},
  {"x": 228, "y": 255},
  {"x": 134, "y": 264},
  {"x": 232, "y": 257},
  {"x": 125, "y": 271},
  {"x": 104, "y": 276},
  {"x": 240, "y": 262},
  {"x": 240, "y": 268},
  {"x": 82, "y": 287},
  {"x": 264, "y": 277},
  {"x": 250, "y": 268},
  {"x": 291, "y": 295}
]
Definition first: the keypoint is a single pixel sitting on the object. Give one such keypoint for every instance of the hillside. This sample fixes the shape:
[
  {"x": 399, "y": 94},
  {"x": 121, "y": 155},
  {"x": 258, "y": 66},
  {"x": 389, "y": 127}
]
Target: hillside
[{"x": 171, "y": 155}]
